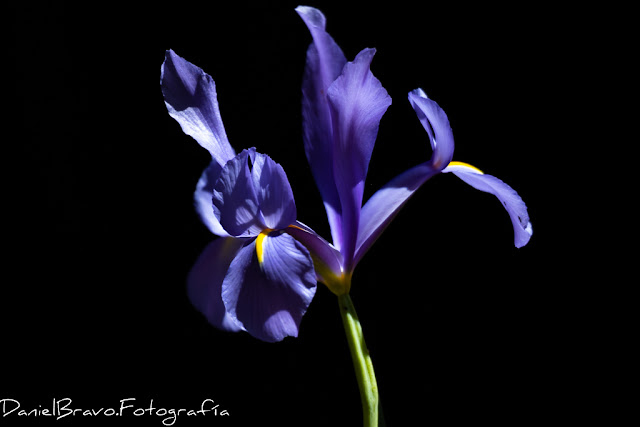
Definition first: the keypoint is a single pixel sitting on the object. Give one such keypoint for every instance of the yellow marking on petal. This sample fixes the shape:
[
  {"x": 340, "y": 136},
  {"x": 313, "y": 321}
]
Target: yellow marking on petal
[
  {"x": 466, "y": 165},
  {"x": 260, "y": 245}
]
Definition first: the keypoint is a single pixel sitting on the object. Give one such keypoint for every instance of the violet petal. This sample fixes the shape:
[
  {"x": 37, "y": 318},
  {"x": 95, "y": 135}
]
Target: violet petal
[
  {"x": 324, "y": 64},
  {"x": 190, "y": 96},
  {"x": 269, "y": 299},
  {"x": 204, "y": 283},
  {"x": 436, "y": 123},
  {"x": 235, "y": 201},
  {"x": 509, "y": 198},
  {"x": 358, "y": 102}
]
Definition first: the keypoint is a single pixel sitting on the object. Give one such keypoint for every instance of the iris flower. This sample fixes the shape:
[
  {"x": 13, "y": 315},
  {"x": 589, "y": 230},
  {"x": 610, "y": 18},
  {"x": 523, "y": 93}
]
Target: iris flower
[
  {"x": 256, "y": 277},
  {"x": 343, "y": 104},
  {"x": 260, "y": 274}
]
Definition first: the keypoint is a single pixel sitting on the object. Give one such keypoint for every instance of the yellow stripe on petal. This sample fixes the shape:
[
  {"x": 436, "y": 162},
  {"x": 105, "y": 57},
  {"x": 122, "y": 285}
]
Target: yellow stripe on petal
[
  {"x": 466, "y": 165},
  {"x": 260, "y": 244}
]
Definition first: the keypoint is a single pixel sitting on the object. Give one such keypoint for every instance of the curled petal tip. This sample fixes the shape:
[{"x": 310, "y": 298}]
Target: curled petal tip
[
  {"x": 523, "y": 237},
  {"x": 368, "y": 52},
  {"x": 312, "y": 16},
  {"x": 418, "y": 93}
]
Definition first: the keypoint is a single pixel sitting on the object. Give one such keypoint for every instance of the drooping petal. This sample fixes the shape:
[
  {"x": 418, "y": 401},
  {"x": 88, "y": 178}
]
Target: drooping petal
[
  {"x": 235, "y": 202},
  {"x": 190, "y": 96},
  {"x": 204, "y": 282},
  {"x": 385, "y": 203},
  {"x": 435, "y": 122},
  {"x": 325, "y": 62},
  {"x": 327, "y": 260},
  {"x": 203, "y": 198},
  {"x": 511, "y": 201},
  {"x": 275, "y": 197},
  {"x": 358, "y": 101},
  {"x": 269, "y": 299}
]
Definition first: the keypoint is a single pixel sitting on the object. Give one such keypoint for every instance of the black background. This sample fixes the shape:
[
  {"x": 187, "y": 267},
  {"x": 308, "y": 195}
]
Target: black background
[{"x": 462, "y": 326}]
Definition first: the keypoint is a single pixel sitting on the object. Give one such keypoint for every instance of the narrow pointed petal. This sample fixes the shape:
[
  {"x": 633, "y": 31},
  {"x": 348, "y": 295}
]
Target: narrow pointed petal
[
  {"x": 275, "y": 197},
  {"x": 385, "y": 204},
  {"x": 269, "y": 299},
  {"x": 358, "y": 102},
  {"x": 235, "y": 201},
  {"x": 328, "y": 58},
  {"x": 190, "y": 96},
  {"x": 325, "y": 62},
  {"x": 511, "y": 201},
  {"x": 435, "y": 122},
  {"x": 203, "y": 198},
  {"x": 204, "y": 283}
]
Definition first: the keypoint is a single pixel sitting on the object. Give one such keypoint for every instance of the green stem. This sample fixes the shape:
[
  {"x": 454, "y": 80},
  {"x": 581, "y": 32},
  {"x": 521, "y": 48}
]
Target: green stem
[{"x": 361, "y": 361}]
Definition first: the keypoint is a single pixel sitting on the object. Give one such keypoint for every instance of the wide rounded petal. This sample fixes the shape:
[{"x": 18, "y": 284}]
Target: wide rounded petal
[
  {"x": 269, "y": 298},
  {"x": 203, "y": 198},
  {"x": 275, "y": 197},
  {"x": 190, "y": 96},
  {"x": 324, "y": 64},
  {"x": 204, "y": 283},
  {"x": 435, "y": 122},
  {"x": 511, "y": 201},
  {"x": 358, "y": 102},
  {"x": 235, "y": 201}
]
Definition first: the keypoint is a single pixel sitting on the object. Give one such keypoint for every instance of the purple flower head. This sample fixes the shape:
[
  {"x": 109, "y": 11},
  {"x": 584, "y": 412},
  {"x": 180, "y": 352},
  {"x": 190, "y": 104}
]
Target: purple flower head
[
  {"x": 257, "y": 277},
  {"x": 342, "y": 106}
]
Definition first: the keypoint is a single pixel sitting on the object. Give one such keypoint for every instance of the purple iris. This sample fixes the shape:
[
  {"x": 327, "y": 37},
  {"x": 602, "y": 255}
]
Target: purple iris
[
  {"x": 343, "y": 104},
  {"x": 256, "y": 277},
  {"x": 260, "y": 275}
]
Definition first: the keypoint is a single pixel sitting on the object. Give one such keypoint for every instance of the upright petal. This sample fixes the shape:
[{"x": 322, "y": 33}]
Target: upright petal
[
  {"x": 511, "y": 201},
  {"x": 385, "y": 204},
  {"x": 235, "y": 201},
  {"x": 203, "y": 198},
  {"x": 435, "y": 122},
  {"x": 358, "y": 101},
  {"x": 328, "y": 58},
  {"x": 325, "y": 62},
  {"x": 190, "y": 96},
  {"x": 275, "y": 197},
  {"x": 204, "y": 283},
  {"x": 269, "y": 299}
]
